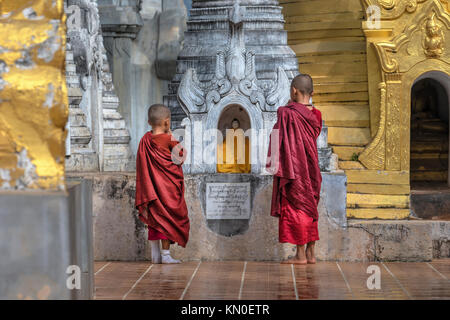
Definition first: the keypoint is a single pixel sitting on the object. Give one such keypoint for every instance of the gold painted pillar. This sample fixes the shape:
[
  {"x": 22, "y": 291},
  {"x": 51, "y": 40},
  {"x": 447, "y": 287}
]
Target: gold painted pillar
[{"x": 33, "y": 94}]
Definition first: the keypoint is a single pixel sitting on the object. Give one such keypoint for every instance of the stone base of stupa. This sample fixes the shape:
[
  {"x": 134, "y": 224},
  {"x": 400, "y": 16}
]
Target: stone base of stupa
[{"x": 120, "y": 235}]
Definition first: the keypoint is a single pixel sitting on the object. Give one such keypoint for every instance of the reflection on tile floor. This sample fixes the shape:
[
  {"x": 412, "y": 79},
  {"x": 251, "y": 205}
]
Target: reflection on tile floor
[{"x": 233, "y": 280}]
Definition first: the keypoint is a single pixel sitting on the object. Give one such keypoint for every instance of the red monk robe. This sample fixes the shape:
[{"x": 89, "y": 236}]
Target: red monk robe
[
  {"x": 160, "y": 190},
  {"x": 297, "y": 180}
]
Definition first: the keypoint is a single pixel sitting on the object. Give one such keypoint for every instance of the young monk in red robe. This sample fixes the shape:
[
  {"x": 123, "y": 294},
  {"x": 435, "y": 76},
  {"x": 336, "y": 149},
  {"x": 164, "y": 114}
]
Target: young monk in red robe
[
  {"x": 160, "y": 186},
  {"x": 297, "y": 179}
]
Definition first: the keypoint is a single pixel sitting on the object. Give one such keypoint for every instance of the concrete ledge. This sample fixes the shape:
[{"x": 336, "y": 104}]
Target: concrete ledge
[
  {"x": 441, "y": 239},
  {"x": 396, "y": 240},
  {"x": 119, "y": 234},
  {"x": 41, "y": 235}
]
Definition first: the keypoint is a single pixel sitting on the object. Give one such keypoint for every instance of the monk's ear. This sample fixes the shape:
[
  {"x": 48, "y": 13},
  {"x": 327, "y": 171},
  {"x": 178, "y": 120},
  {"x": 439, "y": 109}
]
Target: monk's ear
[
  {"x": 312, "y": 93},
  {"x": 293, "y": 92}
]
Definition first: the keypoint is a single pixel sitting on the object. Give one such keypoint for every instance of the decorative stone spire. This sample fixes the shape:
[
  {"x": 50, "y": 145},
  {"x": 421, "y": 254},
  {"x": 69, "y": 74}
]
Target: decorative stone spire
[{"x": 216, "y": 32}]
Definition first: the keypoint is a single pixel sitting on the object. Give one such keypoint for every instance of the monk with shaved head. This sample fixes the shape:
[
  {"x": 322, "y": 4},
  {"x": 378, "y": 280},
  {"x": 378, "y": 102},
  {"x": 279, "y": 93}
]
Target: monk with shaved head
[
  {"x": 297, "y": 179},
  {"x": 160, "y": 186}
]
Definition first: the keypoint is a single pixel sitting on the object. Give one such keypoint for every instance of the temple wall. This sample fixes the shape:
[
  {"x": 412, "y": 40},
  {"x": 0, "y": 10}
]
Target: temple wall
[
  {"x": 359, "y": 88},
  {"x": 120, "y": 235},
  {"x": 98, "y": 138},
  {"x": 142, "y": 40}
]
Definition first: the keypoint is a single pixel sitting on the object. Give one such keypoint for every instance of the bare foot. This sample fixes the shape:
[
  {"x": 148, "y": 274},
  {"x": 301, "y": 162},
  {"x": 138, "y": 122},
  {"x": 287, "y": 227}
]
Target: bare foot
[
  {"x": 310, "y": 256},
  {"x": 294, "y": 260}
]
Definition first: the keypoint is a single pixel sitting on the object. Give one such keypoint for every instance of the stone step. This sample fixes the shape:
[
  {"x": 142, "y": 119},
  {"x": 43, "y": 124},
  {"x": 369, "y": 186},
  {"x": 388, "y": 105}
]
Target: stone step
[
  {"x": 311, "y": 57},
  {"x": 325, "y": 97},
  {"x": 111, "y": 114},
  {"x": 323, "y": 87},
  {"x": 345, "y": 115},
  {"x": 75, "y": 95},
  {"x": 347, "y": 153},
  {"x": 373, "y": 188},
  {"x": 116, "y": 136},
  {"x": 429, "y": 176},
  {"x": 344, "y": 165},
  {"x": 110, "y": 98},
  {"x": 339, "y": 79},
  {"x": 430, "y": 155},
  {"x": 377, "y": 213},
  {"x": 71, "y": 69},
  {"x": 69, "y": 56},
  {"x": 77, "y": 119},
  {"x": 428, "y": 146},
  {"x": 306, "y": 8},
  {"x": 324, "y": 17},
  {"x": 80, "y": 135},
  {"x": 330, "y": 46},
  {"x": 357, "y": 201},
  {"x": 377, "y": 177},
  {"x": 114, "y": 124},
  {"x": 429, "y": 164},
  {"x": 343, "y": 136},
  {"x": 324, "y": 69},
  {"x": 324, "y": 26},
  {"x": 431, "y": 202},
  {"x": 73, "y": 80}
]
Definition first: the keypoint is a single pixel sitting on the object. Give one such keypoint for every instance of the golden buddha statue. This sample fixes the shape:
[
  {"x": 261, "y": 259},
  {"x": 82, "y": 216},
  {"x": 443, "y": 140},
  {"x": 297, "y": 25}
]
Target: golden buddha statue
[{"x": 240, "y": 157}]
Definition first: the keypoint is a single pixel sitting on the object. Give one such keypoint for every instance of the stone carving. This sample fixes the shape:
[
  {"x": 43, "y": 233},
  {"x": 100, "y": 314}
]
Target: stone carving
[
  {"x": 433, "y": 38},
  {"x": 203, "y": 97},
  {"x": 392, "y": 9},
  {"x": 97, "y": 133},
  {"x": 373, "y": 156},
  {"x": 224, "y": 72},
  {"x": 426, "y": 33},
  {"x": 234, "y": 73}
]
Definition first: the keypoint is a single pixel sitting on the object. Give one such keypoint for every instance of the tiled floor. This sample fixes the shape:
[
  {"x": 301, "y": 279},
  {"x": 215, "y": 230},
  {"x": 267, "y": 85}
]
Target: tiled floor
[{"x": 233, "y": 280}]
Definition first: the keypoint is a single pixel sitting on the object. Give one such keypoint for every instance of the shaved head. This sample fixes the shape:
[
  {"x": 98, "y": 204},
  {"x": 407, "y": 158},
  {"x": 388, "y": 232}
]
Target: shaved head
[
  {"x": 157, "y": 113},
  {"x": 303, "y": 83}
]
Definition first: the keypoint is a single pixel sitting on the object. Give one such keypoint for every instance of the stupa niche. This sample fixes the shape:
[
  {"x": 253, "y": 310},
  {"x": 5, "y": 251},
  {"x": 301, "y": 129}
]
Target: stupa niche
[{"x": 235, "y": 53}]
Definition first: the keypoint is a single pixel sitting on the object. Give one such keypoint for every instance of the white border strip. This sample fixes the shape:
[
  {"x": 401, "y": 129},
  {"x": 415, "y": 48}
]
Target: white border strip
[
  {"x": 190, "y": 280},
  {"x": 103, "y": 267},
  {"x": 295, "y": 282},
  {"x": 398, "y": 281},
  {"x": 137, "y": 281},
  {"x": 345, "y": 279},
  {"x": 443, "y": 276},
  {"x": 242, "y": 281}
]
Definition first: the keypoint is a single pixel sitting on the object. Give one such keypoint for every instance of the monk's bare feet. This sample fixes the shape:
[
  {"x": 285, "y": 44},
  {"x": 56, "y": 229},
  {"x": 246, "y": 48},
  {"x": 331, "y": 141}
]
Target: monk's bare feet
[
  {"x": 299, "y": 258},
  {"x": 312, "y": 261},
  {"x": 295, "y": 260},
  {"x": 310, "y": 254}
]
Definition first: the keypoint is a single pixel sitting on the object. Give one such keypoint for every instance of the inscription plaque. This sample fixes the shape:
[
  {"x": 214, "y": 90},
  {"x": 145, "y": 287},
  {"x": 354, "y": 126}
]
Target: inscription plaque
[{"x": 228, "y": 200}]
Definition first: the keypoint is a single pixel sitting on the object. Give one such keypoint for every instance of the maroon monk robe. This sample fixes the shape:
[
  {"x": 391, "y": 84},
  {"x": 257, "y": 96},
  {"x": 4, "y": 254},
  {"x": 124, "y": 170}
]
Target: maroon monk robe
[
  {"x": 160, "y": 190},
  {"x": 297, "y": 177}
]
